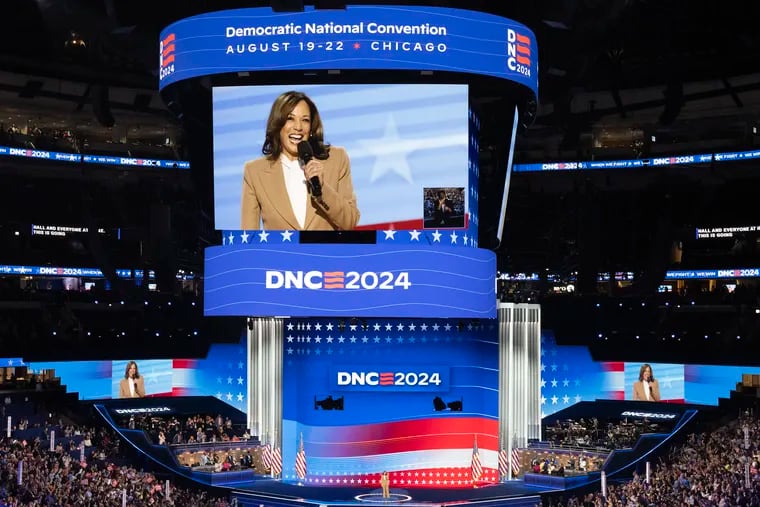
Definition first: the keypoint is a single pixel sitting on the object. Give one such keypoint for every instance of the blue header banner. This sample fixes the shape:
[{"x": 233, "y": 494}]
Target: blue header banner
[
  {"x": 323, "y": 280},
  {"x": 359, "y": 37}
]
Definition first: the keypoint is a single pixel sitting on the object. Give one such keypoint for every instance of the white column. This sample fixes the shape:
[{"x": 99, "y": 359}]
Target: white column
[
  {"x": 52, "y": 440},
  {"x": 8, "y": 430},
  {"x": 265, "y": 346},
  {"x": 519, "y": 375}
]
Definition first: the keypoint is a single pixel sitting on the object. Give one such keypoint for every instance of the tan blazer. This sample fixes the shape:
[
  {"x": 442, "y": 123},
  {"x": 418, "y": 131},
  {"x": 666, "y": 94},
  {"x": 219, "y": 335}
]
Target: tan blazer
[
  {"x": 265, "y": 197},
  {"x": 124, "y": 388},
  {"x": 639, "y": 394}
]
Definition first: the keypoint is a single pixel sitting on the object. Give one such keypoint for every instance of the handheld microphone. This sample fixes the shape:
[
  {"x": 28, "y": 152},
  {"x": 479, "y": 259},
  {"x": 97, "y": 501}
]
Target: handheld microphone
[{"x": 306, "y": 153}]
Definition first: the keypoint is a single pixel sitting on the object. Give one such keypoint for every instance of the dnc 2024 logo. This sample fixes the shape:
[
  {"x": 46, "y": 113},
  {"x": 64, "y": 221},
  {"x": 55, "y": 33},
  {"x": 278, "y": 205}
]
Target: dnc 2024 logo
[
  {"x": 518, "y": 53},
  {"x": 166, "y": 53},
  {"x": 331, "y": 280}
]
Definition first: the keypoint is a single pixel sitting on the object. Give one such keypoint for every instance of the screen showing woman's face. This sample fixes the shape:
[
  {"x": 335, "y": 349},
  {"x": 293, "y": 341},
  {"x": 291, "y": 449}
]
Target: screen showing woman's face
[{"x": 295, "y": 130}]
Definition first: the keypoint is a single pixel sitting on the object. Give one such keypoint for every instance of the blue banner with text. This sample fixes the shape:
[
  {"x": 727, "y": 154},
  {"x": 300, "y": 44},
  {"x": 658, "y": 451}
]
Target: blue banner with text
[
  {"x": 357, "y": 37},
  {"x": 350, "y": 280}
]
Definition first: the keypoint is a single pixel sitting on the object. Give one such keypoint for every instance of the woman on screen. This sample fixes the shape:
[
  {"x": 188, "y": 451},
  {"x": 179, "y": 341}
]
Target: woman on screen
[
  {"x": 646, "y": 388},
  {"x": 133, "y": 384},
  {"x": 283, "y": 190}
]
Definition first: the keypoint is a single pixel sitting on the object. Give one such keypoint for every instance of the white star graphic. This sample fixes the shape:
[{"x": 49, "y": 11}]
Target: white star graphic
[
  {"x": 412, "y": 326},
  {"x": 329, "y": 339},
  {"x": 390, "y": 152},
  {"x": 290, "y": 326},
  {"x": 543, "y": 383},
  {"x": 353, "y": 339},
  {"x": 352, "y": 327},
  {"x": 423, "y": 327},
  {"x": 317, "y": 339},
  {"x": 388, "y": 327},
  {"x": 577, "y": 398},
  {"x": 565, "y": 383},
  {"x": 240, "y": 397},
  {"x": 414, "y": 235},
  {"x": 543, "y": 400},
  {"x": 566, "y": 399},
  {"x": 230, "y": 239},
  {"x": 554, "y": 400},
  {"x": 437, "y": 237},
  {"x": 289, "y": 338},
  {"x": 329, "y": 326},
  {"x": 286, "y": 235},
  {"x": 240, "y": 381},
  {"x": 263, "y": 235},
  {"x": 390, "y": 234},
  {"x": 453, "y": 237},
  {"x": 436, "y": 327},
  {"x": 229, "y": 380},
  {"x": 447, "y": 327},
  {"x": 554, "y": 382},
  {"x": 244, "y": 237},
  {"x": 376, "y": 327},
  {"x": 317, "y": 327},
  {"x": 229, "y": 396},
  {"x": 400, "y": 327},
  {"x": 341, "y": 339}
]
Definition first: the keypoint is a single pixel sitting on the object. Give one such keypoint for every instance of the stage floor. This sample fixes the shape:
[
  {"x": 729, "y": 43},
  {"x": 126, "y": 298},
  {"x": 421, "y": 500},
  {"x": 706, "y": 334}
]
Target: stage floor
[{"x": 271, "y": 492}]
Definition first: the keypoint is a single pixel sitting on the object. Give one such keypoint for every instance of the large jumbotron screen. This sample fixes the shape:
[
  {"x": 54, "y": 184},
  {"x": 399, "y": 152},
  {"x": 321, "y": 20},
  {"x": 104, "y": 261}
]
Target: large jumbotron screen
[{"x": 405, "y": 143}]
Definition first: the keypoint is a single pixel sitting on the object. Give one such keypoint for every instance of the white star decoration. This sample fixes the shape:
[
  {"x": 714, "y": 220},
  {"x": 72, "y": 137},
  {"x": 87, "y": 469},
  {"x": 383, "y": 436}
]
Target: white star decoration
[
  {"x": 414, "y": 235},
  {"x": 390, "y": 152},
  {"x": 263, "y": 235},
  {"x": 390, "y": 234},
  {"x": 286, "y": 235},
  {"x": 437, "y": 237},
  {"x": 244, "y": 237}
]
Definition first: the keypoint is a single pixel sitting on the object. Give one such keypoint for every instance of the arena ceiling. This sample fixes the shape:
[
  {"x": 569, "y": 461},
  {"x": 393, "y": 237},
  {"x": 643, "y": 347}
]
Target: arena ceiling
[{"x": 612, "y": 73}]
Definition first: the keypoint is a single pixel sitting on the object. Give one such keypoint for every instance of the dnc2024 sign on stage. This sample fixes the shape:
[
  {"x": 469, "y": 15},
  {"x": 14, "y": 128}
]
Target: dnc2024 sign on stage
[
  {"x": 359, "y": 37},
  {"x": 359, "y": 280}
]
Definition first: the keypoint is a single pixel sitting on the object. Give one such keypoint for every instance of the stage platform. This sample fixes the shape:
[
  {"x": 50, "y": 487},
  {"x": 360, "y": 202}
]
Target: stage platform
[{"x": 276, "y": 493}]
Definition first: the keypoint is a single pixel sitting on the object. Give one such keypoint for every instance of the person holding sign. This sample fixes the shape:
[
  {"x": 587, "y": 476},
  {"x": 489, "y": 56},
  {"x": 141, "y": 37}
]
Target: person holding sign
[{"x": 300, "y": 183}]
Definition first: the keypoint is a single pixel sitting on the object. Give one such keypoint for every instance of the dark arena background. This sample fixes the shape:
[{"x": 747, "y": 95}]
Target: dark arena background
[{"x": 312, "y": 253}]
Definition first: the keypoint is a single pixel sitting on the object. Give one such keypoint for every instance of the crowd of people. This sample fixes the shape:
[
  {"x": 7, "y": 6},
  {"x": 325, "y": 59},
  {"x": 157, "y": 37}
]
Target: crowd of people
[
  {"x": 199, "y": 428},
  {"x": 712, "y": 469},
  {"x": 32, "y": 475},
  {"x": 593, "y": 434}
]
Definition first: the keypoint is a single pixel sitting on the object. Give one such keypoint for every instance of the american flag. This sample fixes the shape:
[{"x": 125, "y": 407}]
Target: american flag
[
  {"x": 266, "y": 456},
  {"x": 515, "y": 462},
  {"x": 477, "y": 466},
  {"x": 503, "y": 463},
  {"x": 301, "y": 460},
  {"x": 276, "y": 462}
]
